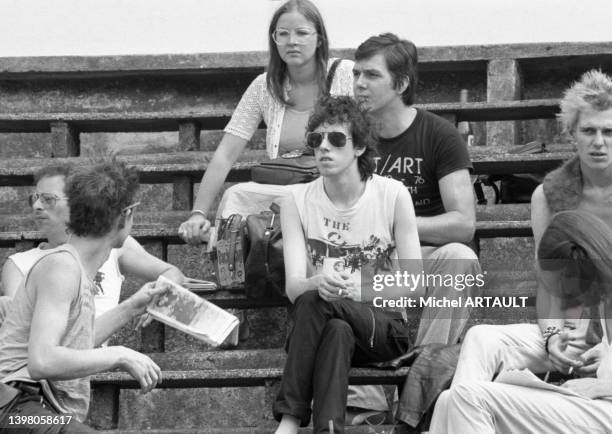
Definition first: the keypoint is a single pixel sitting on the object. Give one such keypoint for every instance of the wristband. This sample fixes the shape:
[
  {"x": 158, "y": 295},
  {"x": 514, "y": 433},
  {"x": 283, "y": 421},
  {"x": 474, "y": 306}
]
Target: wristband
[
  {"x": 548, "y": 333},
  {"x": 198, "y": 211}
]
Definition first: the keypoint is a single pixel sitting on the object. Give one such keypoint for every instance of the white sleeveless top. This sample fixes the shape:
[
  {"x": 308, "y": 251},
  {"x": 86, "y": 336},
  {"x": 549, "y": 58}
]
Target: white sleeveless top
[
  {"x": 72, "y": 395},
  {"x": 358, "y": 240},
  {"x": 108, "y": 279}
]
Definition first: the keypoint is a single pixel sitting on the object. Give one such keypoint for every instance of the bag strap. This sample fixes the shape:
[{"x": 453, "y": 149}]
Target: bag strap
[
  {"x": 330, "y": 75},
  {"x": 267, "y": 235},
  {"x": 234, "y": 227},
  {"x": 270, "y": 235}
]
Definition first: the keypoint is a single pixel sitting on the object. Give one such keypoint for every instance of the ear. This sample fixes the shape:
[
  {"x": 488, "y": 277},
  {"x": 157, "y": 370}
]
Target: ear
[
  {"x": 359, "y": 152},
  {"x": 403, "y": 85}
]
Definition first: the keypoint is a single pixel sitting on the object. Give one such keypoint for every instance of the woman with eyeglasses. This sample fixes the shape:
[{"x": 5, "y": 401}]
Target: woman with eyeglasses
[
  {"x": 341, "y": 319},
  {"x": 51, "y": 213},
  {"x": 283, "y": 98}
]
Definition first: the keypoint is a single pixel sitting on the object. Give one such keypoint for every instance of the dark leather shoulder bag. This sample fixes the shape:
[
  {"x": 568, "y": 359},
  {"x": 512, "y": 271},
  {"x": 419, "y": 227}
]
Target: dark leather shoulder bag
[
  {"x": 264, "y": 265},
  {"x": 293, "y": 167}
]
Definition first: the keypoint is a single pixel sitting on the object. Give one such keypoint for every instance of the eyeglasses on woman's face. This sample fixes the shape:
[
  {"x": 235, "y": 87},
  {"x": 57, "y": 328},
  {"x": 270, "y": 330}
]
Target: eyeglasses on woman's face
[{"x": 298, "y": 36}]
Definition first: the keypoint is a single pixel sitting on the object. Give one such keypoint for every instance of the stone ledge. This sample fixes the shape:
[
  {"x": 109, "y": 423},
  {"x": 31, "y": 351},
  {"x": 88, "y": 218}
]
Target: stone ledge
[{"x": 431, "y": 58}]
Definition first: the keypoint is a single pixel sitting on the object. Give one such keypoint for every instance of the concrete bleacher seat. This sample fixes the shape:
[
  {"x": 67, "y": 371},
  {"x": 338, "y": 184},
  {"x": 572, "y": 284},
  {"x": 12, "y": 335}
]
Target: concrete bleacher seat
[
  {"x": 515, "y": 91},
  {"x": 216, "y": 118}
]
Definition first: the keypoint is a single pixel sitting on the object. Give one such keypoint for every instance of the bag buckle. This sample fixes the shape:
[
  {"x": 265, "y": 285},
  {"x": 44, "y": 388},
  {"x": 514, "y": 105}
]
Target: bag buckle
[{"x": 293, "y": 154}]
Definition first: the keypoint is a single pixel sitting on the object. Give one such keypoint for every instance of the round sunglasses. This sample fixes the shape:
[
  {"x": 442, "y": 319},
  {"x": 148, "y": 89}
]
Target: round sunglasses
[{"x": 336, "y": 138}]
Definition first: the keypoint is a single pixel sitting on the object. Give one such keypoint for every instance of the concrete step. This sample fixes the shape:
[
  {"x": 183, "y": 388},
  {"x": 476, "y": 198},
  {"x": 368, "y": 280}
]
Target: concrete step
[
  {"x": 223, "y": 388},
  {"x": 216, "y": 116}
]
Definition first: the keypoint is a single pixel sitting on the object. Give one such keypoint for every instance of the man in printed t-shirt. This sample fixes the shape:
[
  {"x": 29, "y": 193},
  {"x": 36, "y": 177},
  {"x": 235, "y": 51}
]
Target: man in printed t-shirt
[{"x": 426, "y": 153}]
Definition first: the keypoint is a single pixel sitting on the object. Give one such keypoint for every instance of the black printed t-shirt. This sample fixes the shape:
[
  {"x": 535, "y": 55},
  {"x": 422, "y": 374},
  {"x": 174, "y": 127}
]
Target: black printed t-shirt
[{"x": 428, "y": 150}]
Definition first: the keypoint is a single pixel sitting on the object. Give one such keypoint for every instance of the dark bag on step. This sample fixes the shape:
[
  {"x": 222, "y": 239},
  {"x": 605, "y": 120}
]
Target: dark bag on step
[
  {"x": 291, "y": 168},
  {"x": 512, "y": 188},
  {"x": 264, "y": 265}
]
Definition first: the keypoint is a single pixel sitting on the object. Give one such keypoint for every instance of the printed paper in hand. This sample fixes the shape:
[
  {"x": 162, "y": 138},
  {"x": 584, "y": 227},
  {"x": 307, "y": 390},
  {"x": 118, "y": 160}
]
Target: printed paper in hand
[
  {"x": 526, "y": 378},
  {"x": 187, "y": 312}
]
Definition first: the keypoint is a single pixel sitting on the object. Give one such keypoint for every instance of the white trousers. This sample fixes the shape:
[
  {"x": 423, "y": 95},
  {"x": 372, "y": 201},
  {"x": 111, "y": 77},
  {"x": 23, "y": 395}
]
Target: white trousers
[
  {"x": 250, "y": 197},
  {"x": 485, "y": 407},
  {"x": 488, "y": 349}
]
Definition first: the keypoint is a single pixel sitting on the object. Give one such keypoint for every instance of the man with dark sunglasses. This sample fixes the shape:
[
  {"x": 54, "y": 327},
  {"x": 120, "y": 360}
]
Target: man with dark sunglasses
[
  {"x": 48, "y": 339},
  {"x": 338, "y": 232},
  {"x": 426, "y": 153}
]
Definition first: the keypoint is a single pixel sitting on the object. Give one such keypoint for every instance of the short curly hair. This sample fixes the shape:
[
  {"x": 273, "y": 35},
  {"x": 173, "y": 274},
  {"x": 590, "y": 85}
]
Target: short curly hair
[
  {"x": 344, "y": 109},
  {"x": 97, "y": 194},
  {"x": 592, "y": 91}
]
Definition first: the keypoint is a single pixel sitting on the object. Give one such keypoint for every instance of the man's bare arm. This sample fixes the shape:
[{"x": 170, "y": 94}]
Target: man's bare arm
[
  {"x": 135, "y": 260},
  {"x": 56, "y": 281},
  {"x": 458, "y": 223}
]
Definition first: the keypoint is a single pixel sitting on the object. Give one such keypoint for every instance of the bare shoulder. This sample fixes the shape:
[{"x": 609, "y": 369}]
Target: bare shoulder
[
  {"x": 58, "y": 272},
  {"x": 130, "y": 245},
  {"x": 538, "y": 195},
  {"x": 540, "y": 213}
]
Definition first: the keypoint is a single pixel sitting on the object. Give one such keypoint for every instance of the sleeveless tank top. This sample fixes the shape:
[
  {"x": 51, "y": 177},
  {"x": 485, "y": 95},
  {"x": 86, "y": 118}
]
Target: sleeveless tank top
[
  {"x": 358, "y": 240},
  {"x": 108, "y": 279},
  {"x": 73, "y": 395}
]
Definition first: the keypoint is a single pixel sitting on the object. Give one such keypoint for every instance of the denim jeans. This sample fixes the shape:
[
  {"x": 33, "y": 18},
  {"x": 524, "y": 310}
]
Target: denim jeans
[{"x": 32, "y": 412}]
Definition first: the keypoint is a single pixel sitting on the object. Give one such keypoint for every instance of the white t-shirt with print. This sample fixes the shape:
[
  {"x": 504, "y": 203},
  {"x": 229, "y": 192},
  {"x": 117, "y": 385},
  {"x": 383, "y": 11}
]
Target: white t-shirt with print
[{"x": 358, "y": 240}]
